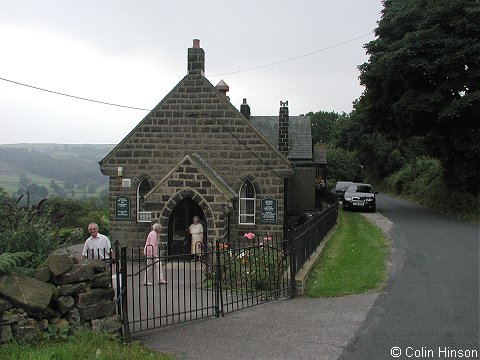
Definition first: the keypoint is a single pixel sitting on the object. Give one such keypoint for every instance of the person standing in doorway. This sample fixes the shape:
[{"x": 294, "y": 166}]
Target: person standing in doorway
[
  {"x": 196, "y": 230},
  {"x": 154, "y": 265}
]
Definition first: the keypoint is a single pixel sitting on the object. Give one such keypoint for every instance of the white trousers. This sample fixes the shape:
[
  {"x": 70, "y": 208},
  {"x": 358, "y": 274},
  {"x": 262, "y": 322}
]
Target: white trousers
[{"x": 154, "y": 269}]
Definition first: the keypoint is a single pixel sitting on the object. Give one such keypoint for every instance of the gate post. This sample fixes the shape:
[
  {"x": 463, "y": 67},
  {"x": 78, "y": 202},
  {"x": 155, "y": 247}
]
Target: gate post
[
  {"x": 123, "y": 282},
  {"x": 217, "y": 279},
  {"x": 117, "y": 277},
  {"x": 293, "y": 263}
]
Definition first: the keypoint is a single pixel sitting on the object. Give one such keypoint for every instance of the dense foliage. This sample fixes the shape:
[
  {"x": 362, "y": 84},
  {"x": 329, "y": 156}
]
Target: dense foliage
[
  {"x": 27, "y": 229},
  {"x": 415, "y": 131},
  {"x": 77, "y": 214},
  {"x": 331, "y": 128},
  {"x": 422, "y": 93},
  {"x": 342, "y": 165},
  {"x": 28, "y": 234}
]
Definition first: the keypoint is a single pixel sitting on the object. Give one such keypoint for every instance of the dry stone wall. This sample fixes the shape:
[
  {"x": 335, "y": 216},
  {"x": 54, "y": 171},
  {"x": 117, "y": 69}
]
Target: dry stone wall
[{"x": 65, "y": 295}]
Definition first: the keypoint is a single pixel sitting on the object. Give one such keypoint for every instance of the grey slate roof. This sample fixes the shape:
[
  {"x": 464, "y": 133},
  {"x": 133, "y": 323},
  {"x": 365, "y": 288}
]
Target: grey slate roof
[{"x": 299, "y": 134}]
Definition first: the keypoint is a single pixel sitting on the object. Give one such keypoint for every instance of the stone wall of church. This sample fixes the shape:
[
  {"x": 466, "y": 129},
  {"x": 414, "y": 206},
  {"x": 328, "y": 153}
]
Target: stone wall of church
[{"x": 194, "y": 118}]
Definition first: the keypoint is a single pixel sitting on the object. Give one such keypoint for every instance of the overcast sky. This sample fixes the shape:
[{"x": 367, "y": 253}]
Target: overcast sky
[{"x": 133, "y": 53}]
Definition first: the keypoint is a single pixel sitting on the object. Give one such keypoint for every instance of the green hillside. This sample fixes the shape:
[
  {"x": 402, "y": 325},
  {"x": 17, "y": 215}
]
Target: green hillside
[{"x": 61, "y": 169}]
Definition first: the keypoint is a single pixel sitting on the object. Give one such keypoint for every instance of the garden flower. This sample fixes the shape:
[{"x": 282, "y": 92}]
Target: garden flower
[{"x": 249, "y": 235}]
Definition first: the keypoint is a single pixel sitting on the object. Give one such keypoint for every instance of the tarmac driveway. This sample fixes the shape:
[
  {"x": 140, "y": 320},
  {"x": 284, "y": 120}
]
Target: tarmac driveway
[{"x": 300, "y": 328}]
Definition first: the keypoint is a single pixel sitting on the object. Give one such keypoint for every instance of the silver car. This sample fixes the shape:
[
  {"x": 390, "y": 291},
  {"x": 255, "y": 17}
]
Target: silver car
[
  {"x": 340, "y": 188},
  {"x": 360, "y": 196}
]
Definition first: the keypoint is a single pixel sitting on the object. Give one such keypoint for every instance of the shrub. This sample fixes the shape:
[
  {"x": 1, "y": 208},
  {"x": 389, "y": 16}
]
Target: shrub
[
  {"x": 29, "y": 229},
  {"x": 254, "y": 268},
  {"x": 10, "y": 262},
  {"x": 343, "y": 165},
  {"x": 73, "y": 213},
  {"x": 418, "y": 178},
  {"x": 423, "y": 181}
]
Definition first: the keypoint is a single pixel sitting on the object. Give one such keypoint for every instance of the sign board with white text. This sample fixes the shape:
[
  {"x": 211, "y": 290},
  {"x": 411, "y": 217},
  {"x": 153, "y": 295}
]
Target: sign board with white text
[
  {"x": 122, "y": 208},
  {"x": 268, "y": 211}
]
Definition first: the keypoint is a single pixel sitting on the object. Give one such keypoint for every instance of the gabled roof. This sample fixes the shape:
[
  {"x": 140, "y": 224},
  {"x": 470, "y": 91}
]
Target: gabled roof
[
  {"x": 214, "y": 178},
  {"x": 299, "y": 134},
  {"x": 194, "y": 160},
  {"x": 284, "y": 159}
]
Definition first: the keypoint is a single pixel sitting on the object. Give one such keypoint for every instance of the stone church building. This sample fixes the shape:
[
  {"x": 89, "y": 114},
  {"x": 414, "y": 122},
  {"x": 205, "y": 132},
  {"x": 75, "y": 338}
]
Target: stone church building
[{"x": 196, "y": 154}]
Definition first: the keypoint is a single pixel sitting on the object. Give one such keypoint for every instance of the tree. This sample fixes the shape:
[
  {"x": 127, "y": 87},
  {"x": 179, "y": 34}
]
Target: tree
[
  {"x": 92, "y": 188},
  {"x": 323, "y": 126},
  {"x": 69, "y": 188},
  {"x": 73, "y": 213},
  {"x": 36, "y": 192},
  {"x": 24, "y": 181},
  {"x": 423, "y": 81},
  {"x": 343, "y": 165},
  {"x": 4, "y": 199},
  {"x": 28, "y": 229},
  {"x": 81, "y": 187}
]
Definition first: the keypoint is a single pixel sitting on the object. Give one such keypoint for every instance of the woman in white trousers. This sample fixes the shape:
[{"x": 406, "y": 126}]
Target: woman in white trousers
[{"x": 154, "y": 266}]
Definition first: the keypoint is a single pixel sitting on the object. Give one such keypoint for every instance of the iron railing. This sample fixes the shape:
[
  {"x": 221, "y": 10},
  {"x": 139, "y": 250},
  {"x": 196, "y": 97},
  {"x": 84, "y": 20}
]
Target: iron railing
[
  {"x": 308, "y": 236},
  {"x": 226, "y": 276}
]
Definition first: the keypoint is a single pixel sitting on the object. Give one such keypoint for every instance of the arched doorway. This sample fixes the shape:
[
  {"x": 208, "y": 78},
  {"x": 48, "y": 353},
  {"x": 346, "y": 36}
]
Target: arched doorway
[{"x": 180, "y": 219}]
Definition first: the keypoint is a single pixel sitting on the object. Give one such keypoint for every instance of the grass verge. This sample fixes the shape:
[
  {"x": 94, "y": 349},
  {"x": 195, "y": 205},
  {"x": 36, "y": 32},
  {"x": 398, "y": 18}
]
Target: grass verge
[
  {"x": 82, "y": 345},
  {"x": 353, "y": 260}
]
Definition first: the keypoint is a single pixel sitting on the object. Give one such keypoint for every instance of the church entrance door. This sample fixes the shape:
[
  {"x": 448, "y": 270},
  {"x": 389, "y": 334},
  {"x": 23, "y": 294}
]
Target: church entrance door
[{"x": 180, "y": 220}]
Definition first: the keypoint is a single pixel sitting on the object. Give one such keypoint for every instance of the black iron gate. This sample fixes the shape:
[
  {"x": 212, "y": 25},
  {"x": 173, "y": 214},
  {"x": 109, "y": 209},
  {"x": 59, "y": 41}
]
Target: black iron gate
[{"x": 227, "y": 276}]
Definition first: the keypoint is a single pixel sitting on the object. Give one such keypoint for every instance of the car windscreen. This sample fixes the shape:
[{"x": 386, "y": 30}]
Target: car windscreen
[
  {"x": 342, "y": 185},
  {"x": 364, "y": 189}
]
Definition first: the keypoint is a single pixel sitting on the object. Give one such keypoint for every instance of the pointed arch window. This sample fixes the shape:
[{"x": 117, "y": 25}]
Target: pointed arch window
[
  {"x": 246, "y": 211},
  {"x": 143, "y": 188}
]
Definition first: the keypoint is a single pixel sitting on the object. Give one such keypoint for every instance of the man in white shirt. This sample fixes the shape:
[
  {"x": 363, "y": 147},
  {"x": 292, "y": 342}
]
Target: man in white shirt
[{"x": 97, "y": 246}]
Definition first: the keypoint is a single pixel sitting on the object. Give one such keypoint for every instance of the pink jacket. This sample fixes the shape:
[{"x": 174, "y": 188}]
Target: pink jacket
[{"x": 151, "y": 245}]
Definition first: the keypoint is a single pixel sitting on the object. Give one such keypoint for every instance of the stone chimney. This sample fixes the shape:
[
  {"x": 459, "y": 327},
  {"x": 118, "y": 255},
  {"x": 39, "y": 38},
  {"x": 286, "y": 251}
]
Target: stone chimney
[
  {"x": 196, "y": 59},
  {"x": 283, "y": 128},
  {"x": 245, "y": 109},
  {"x": 223, "y": 88}
]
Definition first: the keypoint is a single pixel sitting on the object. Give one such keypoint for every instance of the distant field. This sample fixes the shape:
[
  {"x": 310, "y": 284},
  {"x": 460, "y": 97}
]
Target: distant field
[
  {"x": 82, "y": 158},
  {"x": 10, "y": 182}
]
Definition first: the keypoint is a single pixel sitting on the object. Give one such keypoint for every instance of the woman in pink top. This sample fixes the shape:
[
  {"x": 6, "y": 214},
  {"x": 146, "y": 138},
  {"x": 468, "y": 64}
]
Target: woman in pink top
[{"x": 151, "y": 252}]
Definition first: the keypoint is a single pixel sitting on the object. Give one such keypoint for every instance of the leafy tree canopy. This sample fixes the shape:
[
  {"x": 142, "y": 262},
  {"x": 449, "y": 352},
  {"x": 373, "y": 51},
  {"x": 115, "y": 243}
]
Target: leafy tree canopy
[
  {"x": 343, "y": 165},
  {"x": 423, "y": 80},
  {"x": 324, "y": 125}
]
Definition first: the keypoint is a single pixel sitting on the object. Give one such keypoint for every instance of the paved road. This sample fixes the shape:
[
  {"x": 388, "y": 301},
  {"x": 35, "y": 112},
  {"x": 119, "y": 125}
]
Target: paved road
[
  {"x": 431, "y": 301},
  {"x": 430, "y": 306},
  {"x": 302, "y": 328}
]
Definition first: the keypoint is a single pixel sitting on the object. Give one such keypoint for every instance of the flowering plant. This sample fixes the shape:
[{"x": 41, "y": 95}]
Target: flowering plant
[
  {"x": 267, "y": 238},
  {"x": 249, "y": 235}
]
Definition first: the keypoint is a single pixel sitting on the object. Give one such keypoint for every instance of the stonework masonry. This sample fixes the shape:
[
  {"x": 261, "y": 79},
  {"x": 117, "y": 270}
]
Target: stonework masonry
[
  {"x": 194, "y": 118},
  {"x": 66, "y": 294}
]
